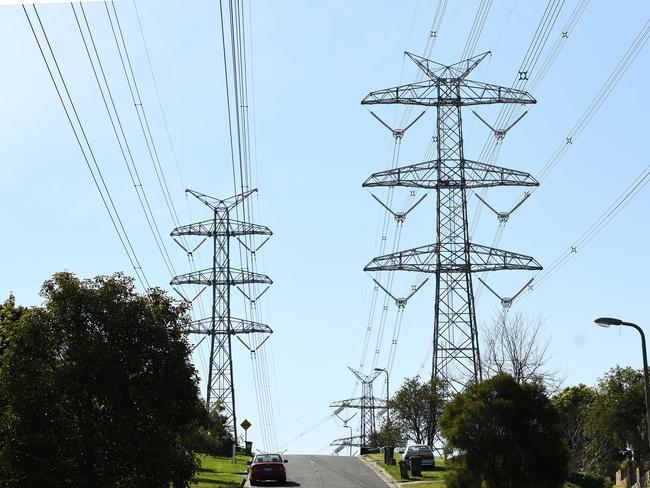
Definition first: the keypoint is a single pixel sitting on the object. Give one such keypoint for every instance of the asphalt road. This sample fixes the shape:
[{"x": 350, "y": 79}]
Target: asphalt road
[{"x": 330, "y": 472}]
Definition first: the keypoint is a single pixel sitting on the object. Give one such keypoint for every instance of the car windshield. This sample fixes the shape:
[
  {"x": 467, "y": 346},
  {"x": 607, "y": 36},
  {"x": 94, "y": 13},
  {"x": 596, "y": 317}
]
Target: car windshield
[
  {"x": 268, "y": 458},
  {"x": 421, "y": 449}
]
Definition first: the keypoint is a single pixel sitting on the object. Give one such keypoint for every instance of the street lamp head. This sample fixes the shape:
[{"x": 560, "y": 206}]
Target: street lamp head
[
  {"x": 608, "y": 321},
  {"x": 380, "y": 369}
]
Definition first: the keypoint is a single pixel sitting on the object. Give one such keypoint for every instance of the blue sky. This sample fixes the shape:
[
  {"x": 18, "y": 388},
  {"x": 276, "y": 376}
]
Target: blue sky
[{"x": 314, "y": 145}]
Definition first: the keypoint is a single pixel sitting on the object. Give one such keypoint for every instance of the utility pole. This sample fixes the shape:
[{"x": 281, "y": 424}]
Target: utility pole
[
  {"x": 220, "y": 326},
  {"x": 452, "y": 258},
  {"x": 367, "y": 404}
]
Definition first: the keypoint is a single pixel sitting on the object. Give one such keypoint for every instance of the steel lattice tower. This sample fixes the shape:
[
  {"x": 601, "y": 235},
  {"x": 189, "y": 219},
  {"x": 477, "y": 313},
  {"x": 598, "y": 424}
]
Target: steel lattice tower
[
  {"x": 220, "y": 327},
  {"x": 367, "y": 404},
  {"x": 453, "y": 258}
]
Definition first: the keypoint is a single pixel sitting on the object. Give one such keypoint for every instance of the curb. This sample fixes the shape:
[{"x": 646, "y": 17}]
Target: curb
[{"x": 381, "y": 472}]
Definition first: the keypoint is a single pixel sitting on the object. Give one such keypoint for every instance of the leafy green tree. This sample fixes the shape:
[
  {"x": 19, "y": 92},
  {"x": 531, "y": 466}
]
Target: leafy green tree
[
  {"x": 620, "y": 413},
  {"x": 587, "y": 432},
  {"x": 415, "y": 409},
  {"x": 212, "y": 435},
  {"x": 96, "y": 388},
  {"x": 387, "y": 436},
  {"x": 503, "y": 434}
]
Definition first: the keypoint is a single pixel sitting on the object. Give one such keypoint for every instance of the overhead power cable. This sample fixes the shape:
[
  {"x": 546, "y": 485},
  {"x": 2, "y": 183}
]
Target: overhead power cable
[
  {"x": 632, "y": 190},
  {"x": 199, "y": 297},
  {"x": 160, "y": 104},
  {"x": 621, "y": 68},
  {"x": 234, "y": 41},
  {"x": 477, "y": 28},
  {"x": 120, "y": 136},
  {"x": 84, "y": 145},
  {"x": 434, "y": 32}
]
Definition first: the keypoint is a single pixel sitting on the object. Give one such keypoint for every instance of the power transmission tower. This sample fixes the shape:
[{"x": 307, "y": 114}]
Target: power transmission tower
[
  {"x": 452, "y": 258},
  {"x": 220, "y": 327},
  {"x": 367, "y": 404}
]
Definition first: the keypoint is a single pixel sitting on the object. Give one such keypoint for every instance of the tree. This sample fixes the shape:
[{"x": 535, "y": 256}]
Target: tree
[
  {"x": 575, "y": 405},
  {"x": 96, "y": 388},
  {"x": 514, "y": 345},
  {"x": 415, "y": 409},
  {"x": 621, "y": 411},
  {"x": 503, "y": 434},
  {"x": 212, "y": 435},
  {"x": 387, "y": 436}
]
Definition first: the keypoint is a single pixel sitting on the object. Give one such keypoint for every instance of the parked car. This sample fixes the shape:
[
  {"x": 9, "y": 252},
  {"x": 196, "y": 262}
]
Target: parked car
[
  {"x": 267, "y": 467},
  {"x": 425, "y": 453}
]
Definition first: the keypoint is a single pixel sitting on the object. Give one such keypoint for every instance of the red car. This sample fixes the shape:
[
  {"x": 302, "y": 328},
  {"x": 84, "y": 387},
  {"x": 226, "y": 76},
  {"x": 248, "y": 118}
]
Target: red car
[{"x": 267, "y": 467}]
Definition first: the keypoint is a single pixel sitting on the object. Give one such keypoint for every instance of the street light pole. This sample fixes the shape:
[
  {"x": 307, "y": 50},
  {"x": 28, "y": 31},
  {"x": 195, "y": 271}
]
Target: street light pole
[
  {"x": 349, "y": 427},
  {"x": 608, "y": 322},
  {"x": 387, "y": 398}
]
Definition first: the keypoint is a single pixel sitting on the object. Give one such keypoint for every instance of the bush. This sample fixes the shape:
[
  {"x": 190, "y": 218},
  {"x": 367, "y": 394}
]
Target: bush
[
  {"x": 586, "y": 479},
  {"x": 203, "y": 442}
]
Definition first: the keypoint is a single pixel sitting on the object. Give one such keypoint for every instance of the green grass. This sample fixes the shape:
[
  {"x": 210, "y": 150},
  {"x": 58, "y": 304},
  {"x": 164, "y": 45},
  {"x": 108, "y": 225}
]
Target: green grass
[
  {"x": 435, "y": 476},
  {"x": 218, "y": 472}
]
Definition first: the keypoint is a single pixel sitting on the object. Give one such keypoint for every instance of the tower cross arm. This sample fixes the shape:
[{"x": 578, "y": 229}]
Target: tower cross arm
[
  {"x": 481, "y": 175},
  {"x": 479, "y": 93},
  {"x": 427, "y": 93},
  {"x": 485, "y": 258},
  {"x": 354, "y": 441},
  {"x": 208, "y": 228},
  {"x": 420, "y": 93},
  {"x": 207, "y": 277},
  {"x": 475, "y": 175},
  {"x": 420, "y": 259},
  {"x": 481, "y": 258},
  {"x": 239, "y": 228},
  {"x": 237, "y": 326},
  {"x": 375, "y": 403},
  {"x": 217, "y": 204}
]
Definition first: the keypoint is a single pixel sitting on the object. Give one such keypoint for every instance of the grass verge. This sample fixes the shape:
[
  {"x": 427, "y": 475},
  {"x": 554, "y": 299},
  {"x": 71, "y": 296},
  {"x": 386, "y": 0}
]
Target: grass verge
[
  {"x": 218, "y": 472},
  {"x": 429, "y": 479},
  {"x": 435, "y": 477}
]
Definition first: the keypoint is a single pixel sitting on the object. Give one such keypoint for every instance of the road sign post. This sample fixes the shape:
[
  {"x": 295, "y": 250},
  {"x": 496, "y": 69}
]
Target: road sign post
[{"x": 249, "y": 447}]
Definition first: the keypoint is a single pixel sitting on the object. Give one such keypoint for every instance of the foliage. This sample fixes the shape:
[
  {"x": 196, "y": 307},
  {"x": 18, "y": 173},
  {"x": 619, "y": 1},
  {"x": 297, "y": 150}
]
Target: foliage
[
  {"x": 588, "y": 447},
  {"x": 586, "y": 480},
  {"x": 212, "y": 435},
  {"x": 96, "y": 388},
  {"x": 387, "y": 436},
  {"x": 217, "y": 426},
  {"x": 514, "y": 345},
  {"x": 415, "y": 409},
  {"x": 503, "y": 434},
  {"x": 621, "y": 414}
]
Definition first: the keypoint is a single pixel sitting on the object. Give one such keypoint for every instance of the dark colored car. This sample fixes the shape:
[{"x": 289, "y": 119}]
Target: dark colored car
[
  {"x": 267, "y": 467},
  {"x": 425, "y": 453}
]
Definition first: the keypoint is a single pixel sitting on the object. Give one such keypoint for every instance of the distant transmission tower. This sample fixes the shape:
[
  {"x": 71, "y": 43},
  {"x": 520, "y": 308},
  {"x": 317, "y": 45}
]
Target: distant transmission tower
[
  {"x": 452, "y": 258},
  {"x": 367, "y": 404},
  {"x": 220, "y": 327}
]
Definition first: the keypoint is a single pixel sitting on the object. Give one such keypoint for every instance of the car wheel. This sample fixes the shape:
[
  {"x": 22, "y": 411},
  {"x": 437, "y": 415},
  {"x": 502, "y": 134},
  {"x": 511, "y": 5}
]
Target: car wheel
[
  {"x": 283, "y": 481},
  {"x": 253, "y": 482}
]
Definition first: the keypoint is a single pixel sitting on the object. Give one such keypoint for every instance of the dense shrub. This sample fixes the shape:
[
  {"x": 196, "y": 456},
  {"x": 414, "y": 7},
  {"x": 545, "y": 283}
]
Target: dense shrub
[{"x": 586, "y": 480}]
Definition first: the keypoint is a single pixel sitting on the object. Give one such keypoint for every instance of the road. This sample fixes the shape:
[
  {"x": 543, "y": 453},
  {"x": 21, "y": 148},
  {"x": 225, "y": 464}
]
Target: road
[{"x": 330, "y": 472}]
